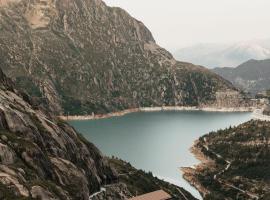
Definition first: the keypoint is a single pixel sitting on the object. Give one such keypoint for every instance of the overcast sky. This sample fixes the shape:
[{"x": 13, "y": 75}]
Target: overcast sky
[{"x": 180, "y": 23}]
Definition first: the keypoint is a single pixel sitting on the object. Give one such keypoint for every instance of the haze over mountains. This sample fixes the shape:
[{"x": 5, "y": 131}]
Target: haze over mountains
[{"x": 225, "y": 55}]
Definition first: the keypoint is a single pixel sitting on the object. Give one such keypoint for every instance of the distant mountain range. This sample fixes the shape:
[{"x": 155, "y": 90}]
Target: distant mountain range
[
  {"x": 225, "y": 55},
  {"x": 253, "y": 76}
]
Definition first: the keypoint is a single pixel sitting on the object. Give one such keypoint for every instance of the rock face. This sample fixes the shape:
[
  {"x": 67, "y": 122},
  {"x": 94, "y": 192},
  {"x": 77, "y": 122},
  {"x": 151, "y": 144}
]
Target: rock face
[
  {"x": 42, "y": 157},
  {"x": 81, "y": 57},
  {"x": 252, "y": 76}
]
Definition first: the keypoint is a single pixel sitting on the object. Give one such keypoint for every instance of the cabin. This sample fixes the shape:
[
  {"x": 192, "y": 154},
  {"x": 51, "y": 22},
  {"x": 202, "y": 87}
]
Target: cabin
[{"x": 157, "y": 195}]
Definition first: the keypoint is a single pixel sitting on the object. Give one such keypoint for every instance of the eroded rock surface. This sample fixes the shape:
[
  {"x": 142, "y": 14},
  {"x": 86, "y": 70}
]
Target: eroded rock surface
[
  {"x": 42, "y": 157},
  {"x": 82, "y": 56}
]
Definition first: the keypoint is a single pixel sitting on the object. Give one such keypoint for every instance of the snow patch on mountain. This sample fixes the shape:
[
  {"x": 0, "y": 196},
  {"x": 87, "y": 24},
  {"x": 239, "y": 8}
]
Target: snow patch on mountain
[{"x": 225, "y": 55}]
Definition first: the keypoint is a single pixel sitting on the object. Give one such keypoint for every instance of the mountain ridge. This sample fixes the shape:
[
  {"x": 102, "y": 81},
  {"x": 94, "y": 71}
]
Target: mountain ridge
[
  {"x": 251, "y": 76},
  {"x": 111, "y": 57}
]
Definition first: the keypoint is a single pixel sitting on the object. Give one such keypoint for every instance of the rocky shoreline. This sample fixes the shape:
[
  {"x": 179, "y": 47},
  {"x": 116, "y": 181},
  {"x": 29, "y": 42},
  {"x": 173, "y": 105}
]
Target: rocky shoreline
[
  {"x": 189, "y": 173},
  {"x": 154, "y": 109}
]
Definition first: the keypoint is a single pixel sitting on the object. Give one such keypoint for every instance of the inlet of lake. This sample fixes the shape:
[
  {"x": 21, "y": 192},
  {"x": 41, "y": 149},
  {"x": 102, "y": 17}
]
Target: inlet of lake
[{"x": 157, "y": 141}]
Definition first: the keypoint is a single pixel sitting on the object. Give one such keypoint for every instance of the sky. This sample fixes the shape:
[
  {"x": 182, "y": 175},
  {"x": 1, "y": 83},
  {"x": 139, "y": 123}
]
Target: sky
[{"x": 179, "y": 23}]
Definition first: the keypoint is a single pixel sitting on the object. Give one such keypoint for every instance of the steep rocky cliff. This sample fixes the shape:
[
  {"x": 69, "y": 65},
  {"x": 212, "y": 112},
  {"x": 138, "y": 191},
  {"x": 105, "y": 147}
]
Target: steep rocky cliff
[
  {"x": 83, "y": 56},
  {"x": 41, "y": 156}
]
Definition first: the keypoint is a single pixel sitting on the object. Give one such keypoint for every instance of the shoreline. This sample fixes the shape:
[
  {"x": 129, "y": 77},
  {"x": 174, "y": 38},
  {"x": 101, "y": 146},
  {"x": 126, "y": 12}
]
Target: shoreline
[
  {"x": 189, "y": 173},
  {"x": 154, "y": 109}
]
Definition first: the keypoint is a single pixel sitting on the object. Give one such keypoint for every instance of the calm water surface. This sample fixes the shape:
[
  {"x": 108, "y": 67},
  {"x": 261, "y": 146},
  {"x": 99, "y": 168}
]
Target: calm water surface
[{"x": 157, "y": 141}]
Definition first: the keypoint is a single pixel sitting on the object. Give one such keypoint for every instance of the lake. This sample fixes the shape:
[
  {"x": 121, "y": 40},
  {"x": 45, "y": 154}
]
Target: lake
[{"x": 157, "y": 141}]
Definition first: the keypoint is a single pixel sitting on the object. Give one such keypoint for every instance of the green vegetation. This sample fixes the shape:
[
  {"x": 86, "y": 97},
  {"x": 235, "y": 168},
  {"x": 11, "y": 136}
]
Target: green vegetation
[{"x": 242, "y": 158}]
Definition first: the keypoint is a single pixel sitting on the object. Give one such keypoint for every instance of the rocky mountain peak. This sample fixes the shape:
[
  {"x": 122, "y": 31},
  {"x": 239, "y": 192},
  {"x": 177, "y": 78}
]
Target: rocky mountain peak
[{"x": 83, "y": 57}]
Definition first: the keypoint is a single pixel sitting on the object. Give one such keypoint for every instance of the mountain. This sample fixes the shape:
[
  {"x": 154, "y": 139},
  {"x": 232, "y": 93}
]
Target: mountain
[
  {"x": 218, "y": 55},
  {"x": 83, "y": 57},
  {"x": 235, "y": 163},
  {"x": 42, "y": 157},
  {"x": 252, "y": 76}
]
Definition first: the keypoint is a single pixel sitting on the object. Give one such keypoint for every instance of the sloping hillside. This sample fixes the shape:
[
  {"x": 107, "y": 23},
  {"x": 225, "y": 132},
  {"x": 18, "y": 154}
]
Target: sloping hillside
[
  {"x": 235, "y": 163},
  {"x": 42, "y": 155},
  {"x": 80, "y": 57},
  {"x": 252, "y": 76}
]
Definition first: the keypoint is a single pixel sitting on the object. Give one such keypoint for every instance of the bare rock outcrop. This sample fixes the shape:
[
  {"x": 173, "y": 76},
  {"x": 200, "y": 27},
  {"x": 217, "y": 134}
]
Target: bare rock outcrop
[
  {"x": 42, "y": 157},
  {"x": 83, "y": 57}
]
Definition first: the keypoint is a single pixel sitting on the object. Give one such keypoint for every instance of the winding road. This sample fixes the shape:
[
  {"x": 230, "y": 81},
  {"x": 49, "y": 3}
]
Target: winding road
[{"x": 250, "y": 194}]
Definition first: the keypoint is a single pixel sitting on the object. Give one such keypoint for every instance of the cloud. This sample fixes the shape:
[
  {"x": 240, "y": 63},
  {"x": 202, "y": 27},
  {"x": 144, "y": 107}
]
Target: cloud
[{"x": 177, "y": 23}]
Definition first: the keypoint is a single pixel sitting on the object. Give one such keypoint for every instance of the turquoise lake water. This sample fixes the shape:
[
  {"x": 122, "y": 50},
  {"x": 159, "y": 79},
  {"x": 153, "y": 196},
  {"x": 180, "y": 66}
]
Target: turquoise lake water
[{"x": 157, "y": 141}]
